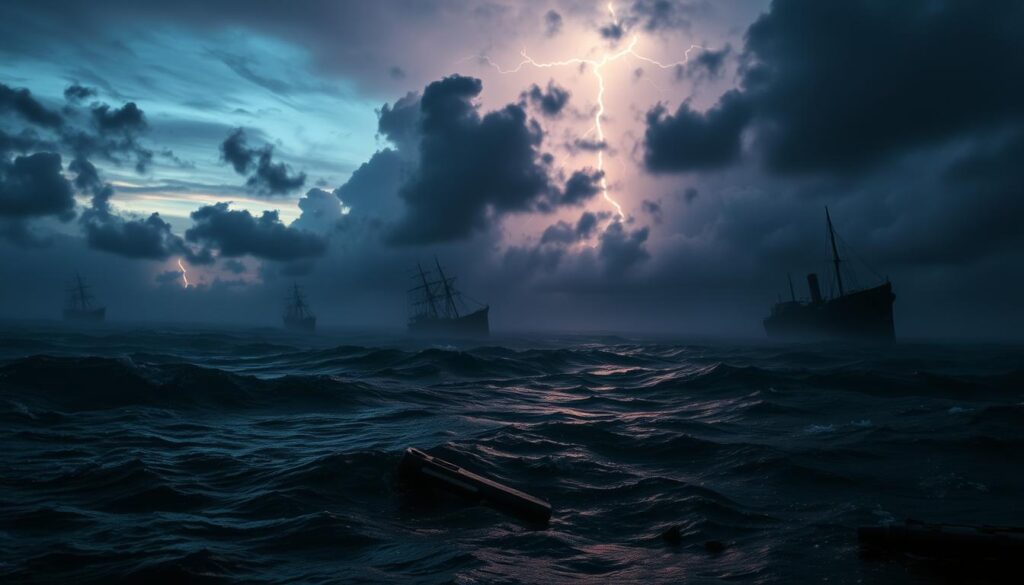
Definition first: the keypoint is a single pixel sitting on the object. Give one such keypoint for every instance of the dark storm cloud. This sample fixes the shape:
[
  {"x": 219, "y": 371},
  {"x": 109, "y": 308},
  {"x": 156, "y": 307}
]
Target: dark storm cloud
[
  {"x": 148, "y": 238},
  {"x": 77, "y": 93},
  {"x": 650, "y": 15},
  {"x": 456, "y": 172},
  {"x": 707, "y": 64},
  {"x": 238, "y": 233},
  {"x": 236, "y": 151},
  {"x": 268, "y": 177},
  {"x": 114, "y": 135},
  {"x": 621, "y": 249},
  {"x": 550, "y": 102},
  {"x": 127, "y": 119},
  {"x": 652, "y": 208},
  {"x": 552, "y": 23},
  {"x": 562, "y": 232},
  {"x": 589, "y": 145},
  {"x": 320, "y": 212},
  {"x": 838, "y": 86},
  {"x": 23, "y": 141},
  {"x": 470, "y": 167},
  {"x": 142, "y": 239},
  {"x": 34, "y": 186},
  {"x": 586, "y": 225},
  {"x": 373, "y": 187},
  {"x": 399, "y": 123},
  {"x": 691, "y": 141},
  {"x": 21, "y": 103},
  {"x": 655, "y": 15},
  {"x": 612, "y": 31},
  {"x": 580, "y": 187}
]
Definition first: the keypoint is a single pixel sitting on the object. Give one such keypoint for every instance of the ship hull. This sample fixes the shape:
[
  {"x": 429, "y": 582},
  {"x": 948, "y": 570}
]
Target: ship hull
[
  {"x": 85, "y": 315},
  {"x": 474, "y": 324},
  {"x": 862, "y": 315},
  {"x": 307, "y": 324}
]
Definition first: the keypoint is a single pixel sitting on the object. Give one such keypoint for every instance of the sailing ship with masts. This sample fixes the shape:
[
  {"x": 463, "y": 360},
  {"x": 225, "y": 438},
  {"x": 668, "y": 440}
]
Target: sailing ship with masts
[
  {"x": 438, "y": 308},
  {"x": 297, "y": 314},
  {"x": 80, "y": 307},
  {"x": 853, "y": 313}
]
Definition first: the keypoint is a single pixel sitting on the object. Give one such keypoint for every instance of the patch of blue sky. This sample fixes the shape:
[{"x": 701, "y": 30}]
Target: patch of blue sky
[{"x": 194, "y": 90}]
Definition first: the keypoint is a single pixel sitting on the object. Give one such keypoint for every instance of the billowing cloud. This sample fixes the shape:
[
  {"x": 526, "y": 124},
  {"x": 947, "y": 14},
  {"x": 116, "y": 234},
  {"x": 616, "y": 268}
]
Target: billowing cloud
[
  {"x": 552, "y": 23},
  {"x": 835, "y": 86},
  {"x": 372, "y": 190},
  {"x": 550, "y": 102},
  {"x": 77, "y": 93},
  {"x": 320, "y": 212},
  {"x": 267, "y": 177},
  {"x": 621, "y": 248},
  {"x": 234, "y": 233},
  {"x": 581, "y": 187},
  {"x": 690, "y": 141},
  {"x": 126, "y": 119},
  {"x": 147, "y": 238},
  {"x": 21, "y": 102},
  {"x": 34, "y": 186},
  {"x": 470, "y": 167}
]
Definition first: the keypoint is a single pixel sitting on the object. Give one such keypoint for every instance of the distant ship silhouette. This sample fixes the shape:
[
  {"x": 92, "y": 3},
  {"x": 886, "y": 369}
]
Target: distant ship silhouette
[
  {"x": 435, "y": 308},
  {"x": 864, "y": 314},
  {"x": 79, "y": 307},
  {"x": 297, "y": 314}
]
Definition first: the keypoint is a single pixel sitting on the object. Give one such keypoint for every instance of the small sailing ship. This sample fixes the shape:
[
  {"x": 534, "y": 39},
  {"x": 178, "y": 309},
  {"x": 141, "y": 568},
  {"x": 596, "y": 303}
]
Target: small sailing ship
[
  {"x": 80, "y": 307},
  {"x": 854, "y": 313},
  {"x": 438, "y": 308},
  {"x": 297, "y": 314}
]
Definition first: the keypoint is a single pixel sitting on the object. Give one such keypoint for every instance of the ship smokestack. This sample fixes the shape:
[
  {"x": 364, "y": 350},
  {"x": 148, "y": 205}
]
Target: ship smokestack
[{"x": 812, "y": 283}]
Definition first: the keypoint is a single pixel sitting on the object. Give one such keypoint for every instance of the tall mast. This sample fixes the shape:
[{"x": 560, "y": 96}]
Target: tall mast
[
  {"x": 427, "y": 291},
  {"x": 80, "y": 295},
  {"x": 297, "y": 307},
  {"x": 792, "y": 293},
  {"x": 835, "y": 251},
  {"x": 449, "y": 301}
]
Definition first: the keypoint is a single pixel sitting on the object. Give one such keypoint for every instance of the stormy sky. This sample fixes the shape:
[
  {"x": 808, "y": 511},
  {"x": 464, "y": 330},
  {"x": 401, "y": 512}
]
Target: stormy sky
[{"x": 646, "y": 166}]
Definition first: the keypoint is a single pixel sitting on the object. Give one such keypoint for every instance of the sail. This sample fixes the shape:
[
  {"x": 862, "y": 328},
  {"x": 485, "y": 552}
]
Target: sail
[
  {"x": 297, "y": 314},
  {"x": 438, "y": 307},
  {"x": 80, "y": 305}
]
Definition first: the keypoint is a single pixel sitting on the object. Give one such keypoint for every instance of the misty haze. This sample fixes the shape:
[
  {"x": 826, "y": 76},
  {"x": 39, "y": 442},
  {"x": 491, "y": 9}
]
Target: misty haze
[{"x": 511, "y": 292}]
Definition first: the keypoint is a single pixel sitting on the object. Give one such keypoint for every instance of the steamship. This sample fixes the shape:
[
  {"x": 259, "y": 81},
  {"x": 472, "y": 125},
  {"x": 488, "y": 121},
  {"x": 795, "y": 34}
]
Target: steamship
[
  {"x": 855, "y": 314},
  {"x": 438, "y": 308},
  {"x": 297, "y": 314},
  {"x": 79, "y": 307}
]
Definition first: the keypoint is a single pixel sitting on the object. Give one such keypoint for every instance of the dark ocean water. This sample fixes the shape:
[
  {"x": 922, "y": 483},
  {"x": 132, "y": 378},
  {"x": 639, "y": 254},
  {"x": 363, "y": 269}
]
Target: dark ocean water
[{"x": 253, "y": 456}]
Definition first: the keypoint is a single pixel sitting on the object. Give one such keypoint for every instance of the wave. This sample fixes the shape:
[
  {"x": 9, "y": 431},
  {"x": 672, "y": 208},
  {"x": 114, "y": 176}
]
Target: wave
[{"x": 78, "y": 384}]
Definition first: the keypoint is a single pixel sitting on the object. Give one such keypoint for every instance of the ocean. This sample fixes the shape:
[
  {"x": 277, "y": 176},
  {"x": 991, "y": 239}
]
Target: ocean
[{"x": 158, "y": 454}]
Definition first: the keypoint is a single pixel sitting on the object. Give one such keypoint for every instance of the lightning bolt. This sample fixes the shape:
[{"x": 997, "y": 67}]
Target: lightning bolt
[
  {"x": 595, "y": 66},
  {"x": 184, "y": 274}
]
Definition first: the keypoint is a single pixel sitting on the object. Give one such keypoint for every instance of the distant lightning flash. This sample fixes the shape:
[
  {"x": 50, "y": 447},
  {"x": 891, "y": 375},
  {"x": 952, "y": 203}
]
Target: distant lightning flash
[
  {"x": 184, "y": 274},
  {"x": 595, "y": 66}
]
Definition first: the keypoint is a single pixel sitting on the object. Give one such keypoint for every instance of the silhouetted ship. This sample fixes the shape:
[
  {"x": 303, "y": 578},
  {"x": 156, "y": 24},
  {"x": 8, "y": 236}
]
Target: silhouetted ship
[
  {"x": 80, "y": 306},
  {"x": 435, "y": 308},
  {"x": 864, "y": 314},
  {"x": 297, "y": 315}
]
